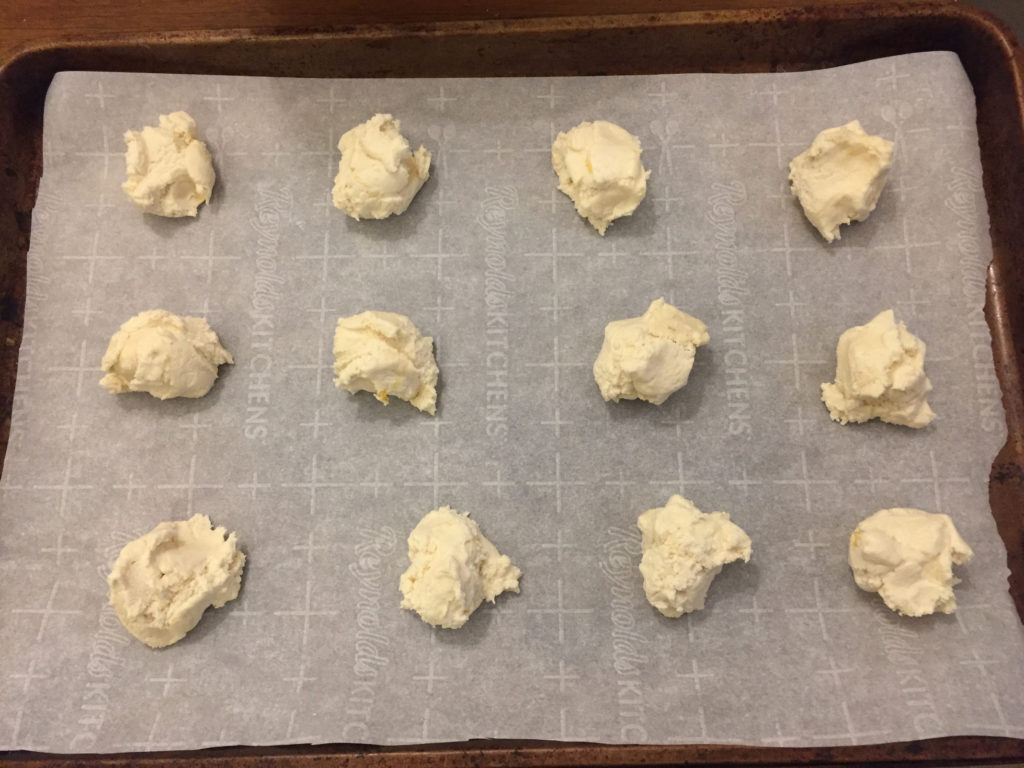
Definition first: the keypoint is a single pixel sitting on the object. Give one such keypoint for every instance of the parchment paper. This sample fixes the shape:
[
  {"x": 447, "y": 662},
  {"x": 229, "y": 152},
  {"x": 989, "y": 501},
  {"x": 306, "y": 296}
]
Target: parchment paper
[{"x": 323, "y": 487}]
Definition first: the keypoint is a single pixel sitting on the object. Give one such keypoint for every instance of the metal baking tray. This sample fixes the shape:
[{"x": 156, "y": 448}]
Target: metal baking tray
[{"x": 776, "y": 39}]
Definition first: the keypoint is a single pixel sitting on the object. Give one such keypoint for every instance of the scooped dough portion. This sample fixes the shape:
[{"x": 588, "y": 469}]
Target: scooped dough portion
[
  {"x": 648, "y": 357},
  {"x": 907, "y": 557},
  {"x": 452, "y": 569},
  {"x": 879, "y": 375},
  {"x": 384, "y": 353},
  {"x": 163, "y": 354},
  {"x": 169, "y": 171},
  {"x": 162, "y": 582},
  {"x": 683, "y": 550},
  {"x": 598, "y": 166},
  {"x": 378, "y": 175},
  {"x": 839, "y": 177}
]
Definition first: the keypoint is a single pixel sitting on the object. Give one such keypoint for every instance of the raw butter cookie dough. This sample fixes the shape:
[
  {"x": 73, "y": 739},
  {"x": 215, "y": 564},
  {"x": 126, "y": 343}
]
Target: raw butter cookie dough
[
  {"x": 879, "y": 375},
  {"x": 683, "y": 550},
  {"x": 384, "y": 353},
  {"x": 598, "y": 166},
  {"x": 170, "y": 172},
  {"x": 452, "y": 569},
  {"x": 379, "y": 174},
  {"x": 907, "y": 557},
  {"x": 162, "y": 582},
  {"x": 839, "y": 177},
  {"x": 648, "y": 357},
  {"x": 163, "y": 354}
]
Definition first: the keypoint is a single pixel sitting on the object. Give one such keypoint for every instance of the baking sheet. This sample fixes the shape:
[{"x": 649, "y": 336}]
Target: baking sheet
[{"x": 515, "y": 288}]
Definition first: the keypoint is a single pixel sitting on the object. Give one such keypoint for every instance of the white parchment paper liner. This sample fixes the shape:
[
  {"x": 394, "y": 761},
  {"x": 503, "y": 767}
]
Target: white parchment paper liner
[{"x": 515, "y": 288}]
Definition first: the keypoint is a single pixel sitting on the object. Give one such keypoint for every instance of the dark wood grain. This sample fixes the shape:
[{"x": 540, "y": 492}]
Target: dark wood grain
[
  {"x": 23, "y": 22},
  {"x": 530, "y": 37},
  {"x": 972, "y": 750}
]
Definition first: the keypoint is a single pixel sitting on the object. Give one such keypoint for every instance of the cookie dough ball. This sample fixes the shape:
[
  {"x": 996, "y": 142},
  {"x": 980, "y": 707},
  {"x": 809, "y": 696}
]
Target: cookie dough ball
[
  {"x": 384, "y": 353},
  {"x": 378, "y": 175},
  {"x": 683, "y": 550},
  {"x": 163, "y": 354},
  {"x": 648, "y": 357},
  {"x": 452, "y": 569},
  {"x": 879, "y": 375},
  {"x": 598, "y": 166},
  {"x": 907, "y": 557},
  {"x": 839, "y": 177},
  {"x": 169, "y": 170},
  {"x": 162, "y": 582}
]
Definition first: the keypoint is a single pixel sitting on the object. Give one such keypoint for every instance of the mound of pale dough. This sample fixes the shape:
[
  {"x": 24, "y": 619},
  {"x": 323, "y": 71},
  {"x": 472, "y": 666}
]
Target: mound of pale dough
[
  {"x": 879, "y": 375},
  {"x": 648, "y": 357},
  {"x": 378, "y": 174},
  {"x": 683, "y": 550},
  {"x": 162, "y": 582},
  {"x": 384, "y": 353},
  {"x": 452, "y": 569},
  {"x": 598, "y": 166},
  {"x": 163, "y": 354},
  {"x": 839, "y": 177},
  {"x": 169, "y": 170},
  {"x": 907, "y": 557}
]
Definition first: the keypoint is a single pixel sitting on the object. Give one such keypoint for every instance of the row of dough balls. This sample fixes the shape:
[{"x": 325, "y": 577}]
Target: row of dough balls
[
  {"x": 163, "y": 582},
  {"x": 453, "y": 567},
  {"x": 838, "y": 179},
  {"x": 879, "y": 370},
  {"x": 904, "y": 554}
]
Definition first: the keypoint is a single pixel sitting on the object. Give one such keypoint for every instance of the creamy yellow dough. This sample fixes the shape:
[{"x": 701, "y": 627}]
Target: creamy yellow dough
[
  {"x": 839, "y": 178},
  {"x": 879, "y": 375},
  {"x": 683, "y": 550},
  {"x": 378, "y": 175},
  {"x": 598, "y": 167},
  {"x": 648, "y": 357},
  {"x": 162, "y": 582},
  {"x": 163, "y": 354},
  {"x": 169, "y": 171},
  {"x": 907, "y": 557},
  {"x": 452, "y": 569},
  {"x": 384, "y": 353}
]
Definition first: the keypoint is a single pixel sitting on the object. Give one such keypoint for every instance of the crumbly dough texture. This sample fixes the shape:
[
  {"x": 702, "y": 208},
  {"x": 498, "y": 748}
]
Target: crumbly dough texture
[
  {"x": 839, "y": 178},
  {"x": 648, "y": 357},
  {"x": 452, "y": 569},
  {"x": 163, "y": 354},
  {"x": 162, "y": 582},
  {"x": 879, "y": 375},
  {"x": 598, "y": 166},
  {"x": 907, "y": 557},
  {"x": 683, "y": 550},
  {"x": 378, "y": 175},
  {"x": 169, "y": 171},
  {"x": 384, "y": 353}
]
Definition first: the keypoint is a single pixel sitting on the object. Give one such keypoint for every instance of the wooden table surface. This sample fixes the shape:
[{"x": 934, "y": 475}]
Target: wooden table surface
[{"x": 28, "y": 23}]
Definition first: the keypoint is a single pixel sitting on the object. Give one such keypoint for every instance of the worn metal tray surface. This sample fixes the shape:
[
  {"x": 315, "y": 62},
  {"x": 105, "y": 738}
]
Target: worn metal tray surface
[{"x": 780, "y": 39}]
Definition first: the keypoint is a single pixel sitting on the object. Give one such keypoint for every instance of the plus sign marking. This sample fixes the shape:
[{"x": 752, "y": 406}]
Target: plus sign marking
[
  {"x": 47, "y": 611},
  {"x": 492, "y": 257},
  {"x": 28, "y": 676},
  {"x": 101, "y": 95},
  {"x": 190, "y": 486},
  {"x": 306, "y": 613},
  {"x": 167, "y": 681},
  {"x": 560, "y": 611},
  {"x": 821, "y": 610},
  {"x": 806, "y": 482}
]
